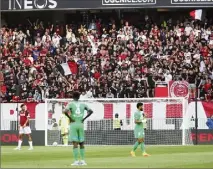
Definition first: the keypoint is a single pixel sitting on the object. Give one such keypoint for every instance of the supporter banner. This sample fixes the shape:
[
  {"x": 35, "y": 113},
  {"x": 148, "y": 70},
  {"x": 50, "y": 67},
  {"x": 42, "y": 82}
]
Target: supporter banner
[
  {"x": 11, "y": 138},
  {"x": 161, "y": 91},
  {"x": 24, "y": 5},
  {"x": 178, "y": 89},
  {"x": 159, "y": 113}
]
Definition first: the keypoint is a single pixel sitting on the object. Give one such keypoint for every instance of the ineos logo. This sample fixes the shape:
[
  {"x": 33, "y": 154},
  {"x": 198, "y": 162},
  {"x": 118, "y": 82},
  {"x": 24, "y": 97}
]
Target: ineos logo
[
  {"x": 32, "y": 4},
  {"x": 40, "y": 4}
]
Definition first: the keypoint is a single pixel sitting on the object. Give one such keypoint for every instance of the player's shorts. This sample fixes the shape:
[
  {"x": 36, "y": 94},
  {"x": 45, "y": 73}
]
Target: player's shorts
[
  {"x": 25, "y": 130},
  {"x": 76, "y": 133},
  {"x": 139, "y": 133}
]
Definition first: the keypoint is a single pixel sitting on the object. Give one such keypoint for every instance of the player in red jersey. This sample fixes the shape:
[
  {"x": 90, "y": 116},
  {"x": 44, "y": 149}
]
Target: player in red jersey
[{"x": 24, "y": 128}]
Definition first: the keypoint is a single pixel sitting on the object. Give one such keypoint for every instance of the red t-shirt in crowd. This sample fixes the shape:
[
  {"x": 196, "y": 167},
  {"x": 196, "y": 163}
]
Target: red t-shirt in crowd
[
  {"x": 15, "y": 99},
  {"x": 207, "y": 86},
  {"x": 26, "y": 52},
  {"x": 155, "y": 32},
  {"x": 27, "y": 62},
  {"x": 43, "y": 53},
  {"x": 3, "y": 89},
  {"x": 123, "y": 56},
  {"x": 36, "y": 83},
  {"x": 204, "y": 51},
  {"x": 140, "y": 57},
  {"x": 97, "y": 75},
  {"x": 23, "y": 117},
  {"x": 5, "y": 52}
]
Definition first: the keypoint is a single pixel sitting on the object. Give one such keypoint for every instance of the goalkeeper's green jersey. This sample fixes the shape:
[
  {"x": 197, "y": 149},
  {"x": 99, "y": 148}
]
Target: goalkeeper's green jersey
[
  {"x": 77, "y": 110},
  {"x": 139, "y": 117},
  {"x": 64, "y": 121}
]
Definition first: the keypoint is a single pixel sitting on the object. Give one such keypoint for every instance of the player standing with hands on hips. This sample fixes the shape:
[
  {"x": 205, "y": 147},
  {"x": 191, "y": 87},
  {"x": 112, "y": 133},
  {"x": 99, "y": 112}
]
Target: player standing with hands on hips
[
  {"x": 139, "y": 131},
  {"x": 77, "y": 119},
  {"x": 24, "y": 128}
]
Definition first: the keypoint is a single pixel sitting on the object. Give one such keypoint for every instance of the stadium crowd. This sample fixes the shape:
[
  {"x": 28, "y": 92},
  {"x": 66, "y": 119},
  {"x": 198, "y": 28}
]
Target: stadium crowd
[{"x": 108, "y": 60}]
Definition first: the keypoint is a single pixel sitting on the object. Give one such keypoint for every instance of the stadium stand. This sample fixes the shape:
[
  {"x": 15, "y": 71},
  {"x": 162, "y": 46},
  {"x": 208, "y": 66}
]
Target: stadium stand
[{"x": 118, "y": 60}]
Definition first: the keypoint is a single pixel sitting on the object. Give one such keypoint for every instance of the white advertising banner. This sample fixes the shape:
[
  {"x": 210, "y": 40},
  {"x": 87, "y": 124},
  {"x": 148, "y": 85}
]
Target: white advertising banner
[{"x": 159, "y": 112}]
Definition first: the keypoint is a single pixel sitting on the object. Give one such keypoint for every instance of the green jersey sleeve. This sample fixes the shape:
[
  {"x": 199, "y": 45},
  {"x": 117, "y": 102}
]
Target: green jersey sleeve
[{"x": 137, "y": 116}]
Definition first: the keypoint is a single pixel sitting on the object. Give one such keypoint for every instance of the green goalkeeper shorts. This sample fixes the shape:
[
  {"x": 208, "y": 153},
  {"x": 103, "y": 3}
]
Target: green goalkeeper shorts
[
  {"x": 139, "y": 133},
  {"x": 76, "y": 133}
]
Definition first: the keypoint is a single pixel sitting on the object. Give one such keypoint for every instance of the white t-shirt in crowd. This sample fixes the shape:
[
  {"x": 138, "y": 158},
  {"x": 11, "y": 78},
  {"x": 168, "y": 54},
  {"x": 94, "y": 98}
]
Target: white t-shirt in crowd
[
  {"x": 196, "y": 32},
  {"x": 211, "y": 42},
  {"x": 196, "y": 56},
  {"x": 56, "y": 41},
  {"x": 122, "y": 36},
  {"x": 178, "y": 31},
  {"x": 83, "y": 96},
  {"x": 143, "y": 37},
  {"x": 188, "y": 30},
  {"x": 168, "y": 77},
  {"x": 89, "y": 94},
  {"x": 45, "y": 37}
]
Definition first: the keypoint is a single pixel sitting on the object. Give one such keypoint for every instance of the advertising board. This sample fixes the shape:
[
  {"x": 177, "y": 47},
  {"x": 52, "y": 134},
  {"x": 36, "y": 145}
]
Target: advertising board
[{"x": 28, "y": 5}]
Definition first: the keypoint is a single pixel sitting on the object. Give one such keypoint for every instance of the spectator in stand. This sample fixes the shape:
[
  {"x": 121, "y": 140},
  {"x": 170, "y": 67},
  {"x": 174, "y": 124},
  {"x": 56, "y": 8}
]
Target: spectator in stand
[
  {"x": 113, "y": 61},
  {"x": 192, "y": 83},
  {"x": 37, "y": 96},
  {"x": 109, "y": 94},
  {"x": 83, "y": 95},
  {"x": 209, "y": 122},
  {"x": 208, "y": 89},
  {"x": 89, "y": 93}
]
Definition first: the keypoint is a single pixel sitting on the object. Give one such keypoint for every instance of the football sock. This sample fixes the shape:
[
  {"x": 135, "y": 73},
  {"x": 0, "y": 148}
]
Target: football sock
[
  {"x": 75, "y": 153},
  {"x": 82, "y": 153},
  {"x": 136, "y": 145},
  {"x": 31, "y": 144},
  {"x": 143, "y": 147},
  {"x": 65, "y": 140},
  {"x": 19, "y": 143}
]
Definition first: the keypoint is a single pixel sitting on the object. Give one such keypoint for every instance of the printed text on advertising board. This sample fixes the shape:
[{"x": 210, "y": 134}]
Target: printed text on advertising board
[
  {"x": 31, "y": 4},
  {"x": 128, "y": 2},
  {"x": 192, "y": 1}
]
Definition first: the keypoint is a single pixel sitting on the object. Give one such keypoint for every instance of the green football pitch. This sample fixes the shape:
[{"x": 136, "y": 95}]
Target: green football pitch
[{"x": 109, "y": 157}]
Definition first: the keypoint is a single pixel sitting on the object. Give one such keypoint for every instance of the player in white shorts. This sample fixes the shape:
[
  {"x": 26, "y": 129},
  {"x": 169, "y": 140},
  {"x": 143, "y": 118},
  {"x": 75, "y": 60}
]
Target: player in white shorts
[{"x": 24, "y": 128}]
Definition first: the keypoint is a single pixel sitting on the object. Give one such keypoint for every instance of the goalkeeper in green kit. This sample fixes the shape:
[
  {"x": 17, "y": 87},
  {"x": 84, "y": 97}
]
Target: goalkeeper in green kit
[
  {"x": 76, "y": 134},
  {"x": 139, "y": 131}
]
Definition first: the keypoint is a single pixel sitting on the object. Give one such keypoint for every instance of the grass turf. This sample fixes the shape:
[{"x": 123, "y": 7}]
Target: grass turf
[{"x": 110, "y": 157}]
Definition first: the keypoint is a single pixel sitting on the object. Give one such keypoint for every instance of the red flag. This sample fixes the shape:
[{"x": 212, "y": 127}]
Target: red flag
[
  {"x": 73, "y": 67},
  {"x": 70, "y": 67},
  {"x": 196, "y": 14},
  {"x": 208, "y": 108}
]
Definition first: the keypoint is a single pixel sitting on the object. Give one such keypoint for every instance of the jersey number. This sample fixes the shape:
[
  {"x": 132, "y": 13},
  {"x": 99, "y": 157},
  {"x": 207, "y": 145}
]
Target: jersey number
[{"x": 78, "y": 110}]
